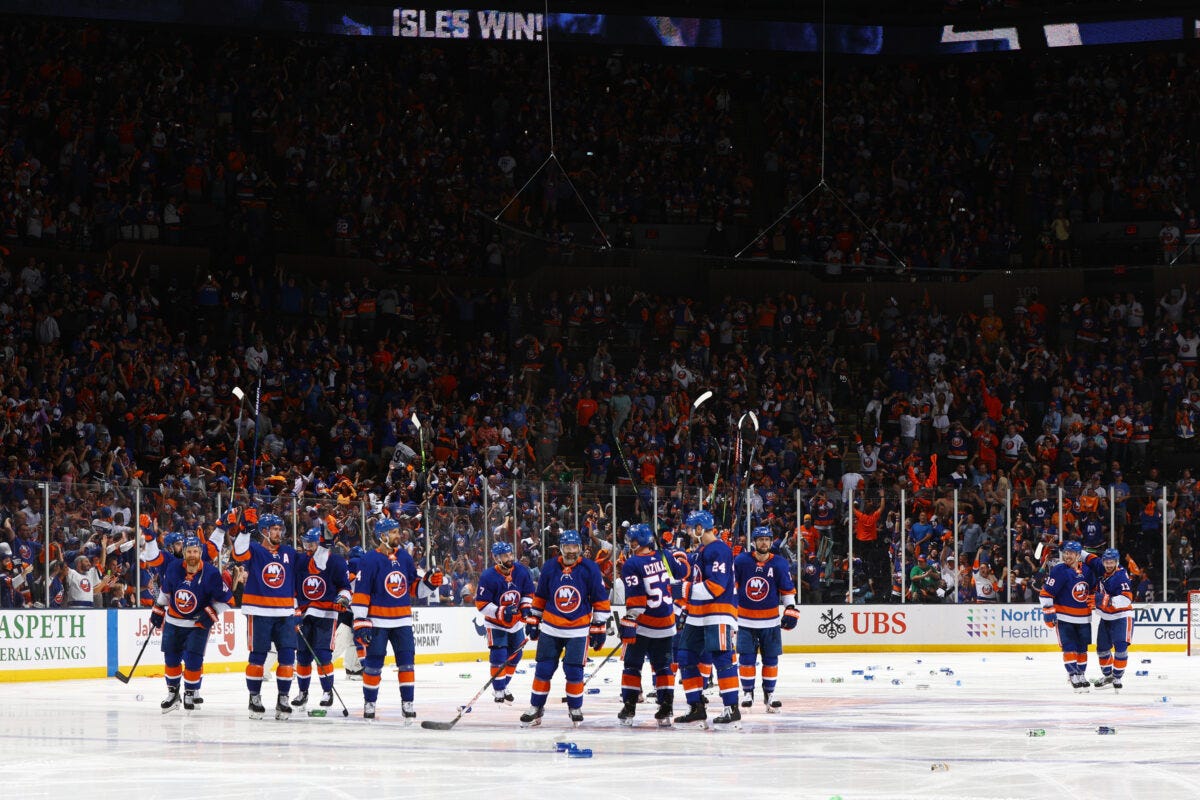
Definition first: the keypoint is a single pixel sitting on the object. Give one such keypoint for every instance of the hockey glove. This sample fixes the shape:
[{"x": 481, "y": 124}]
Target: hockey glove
[
  {"x": 208, "y": 618},
  {"x": 157, "y": 615},
  {"x": 343, "y": 601},
  {"x": 791, "y": 616},
  {"x": 363, "y": 632},
  {"x": 628, "y": 630},
  {"x": 1050, "y": 618},
  {"x": 434, "y": 579},
  {"x": 508, "y": 615},
  {"x": 681, "y": 619},
  {"x": 232, "y": 522},
  {"x": 250, "y": 520},
  {"x": 596, "y": 636},
  {"x": 533, "y": 628}
]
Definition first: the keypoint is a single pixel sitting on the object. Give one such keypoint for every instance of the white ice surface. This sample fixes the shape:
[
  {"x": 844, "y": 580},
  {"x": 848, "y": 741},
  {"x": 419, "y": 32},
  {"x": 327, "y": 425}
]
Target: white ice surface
[{"x": 94, "y": 740}]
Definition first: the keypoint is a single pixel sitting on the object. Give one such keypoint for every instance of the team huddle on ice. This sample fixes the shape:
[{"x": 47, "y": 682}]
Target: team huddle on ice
[{"x": 692, "y": 611}]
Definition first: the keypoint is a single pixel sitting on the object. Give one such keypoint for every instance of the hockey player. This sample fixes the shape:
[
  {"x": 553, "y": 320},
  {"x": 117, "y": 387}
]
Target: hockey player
[
  {"x": 1114, "y": 604},
  {"x": 711, "y": 624},
  {"x": 192, "y": 597},
  {"x": 323, "y": 592},
  {"x": 1067, "y": 602},
  {"x": 648, "y": 627},
  {"x": 505, "y": 599},
  {"x": 763, "y": 582},
  {"x": 382, "y": 603},
  {"x": 269, "y": 603},
  {"x": 571, "y": 606}
]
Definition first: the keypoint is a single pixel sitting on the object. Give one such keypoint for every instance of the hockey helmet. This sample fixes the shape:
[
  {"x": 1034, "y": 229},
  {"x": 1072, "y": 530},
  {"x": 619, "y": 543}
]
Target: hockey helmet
[
  {"x": 268, "y": 521},
  {"x": 383, "y": 526},
  {"x": 641, "y": 535},
  {"x": 1111, "y": 554},
  {"x": 760, "y": 532},
  {"x": 570, "y": 537},
  {"x": 191, "y": 540},
  {"x": 357, "y": 552},
  {"x": 171, "y": 539},
  {"x": 311, "y": 536},
  {"x": 501, "y": 549},
  {"x": 1072, "y": 547},
  {"x": 702, "y": 518}
]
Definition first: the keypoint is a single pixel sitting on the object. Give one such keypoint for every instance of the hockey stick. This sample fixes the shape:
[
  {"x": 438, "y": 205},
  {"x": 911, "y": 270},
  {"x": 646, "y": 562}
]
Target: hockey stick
[
  {"x": 237, "y": 448},
  {"x": 254, "y": 463},
  {"x": 122, "y": 677},
  {"x": 420, "y": 438},
  {"x": 463, "y": 709},
  {"x": 596, "y": 671},
  {"x": 699, "y": 401},
  {"x": 316, "y": 658},
  {"x": 750, "y": 463}
]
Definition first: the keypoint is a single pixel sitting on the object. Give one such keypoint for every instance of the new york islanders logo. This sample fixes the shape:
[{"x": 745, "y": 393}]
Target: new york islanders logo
[
  {"x": 1080, "y": 592},
  {"x": 185, "y": 601},
  {"x": 567, "y": 599},
  {"x": 313, "y": 587},
  {"x": 395, "y": 584},
  {"x": 85, "y": 585},
  {"x": 273, "y": 575},
  {"x": 510, "y": 598},
  {"x": 757, "y": 589}
]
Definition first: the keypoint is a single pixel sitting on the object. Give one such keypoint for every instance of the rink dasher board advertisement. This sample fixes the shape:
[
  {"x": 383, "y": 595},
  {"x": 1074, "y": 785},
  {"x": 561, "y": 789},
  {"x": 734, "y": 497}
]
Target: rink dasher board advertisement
[{"x": 85, "y": 643}]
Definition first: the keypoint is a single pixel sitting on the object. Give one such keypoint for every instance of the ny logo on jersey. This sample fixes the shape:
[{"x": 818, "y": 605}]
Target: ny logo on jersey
[
  {"x": 314, "y": 587},
  {"x": 567, "y": 599},
  {"x": 395, "y": 584},
  {"x": 274, "y": 575},
  {"x": 757, "y": 589},
  {"x": 1080, "y": 592},
  {"x": 510, "y": 598},
  {"x": 185, "y": 601}
]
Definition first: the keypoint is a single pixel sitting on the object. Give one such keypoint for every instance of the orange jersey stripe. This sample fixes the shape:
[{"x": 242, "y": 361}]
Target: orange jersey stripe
[{"x": 273, "y": 602}]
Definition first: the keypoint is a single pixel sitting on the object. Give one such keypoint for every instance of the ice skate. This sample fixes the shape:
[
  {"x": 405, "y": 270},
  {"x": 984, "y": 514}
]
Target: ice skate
[
  {"x": 772, "y": 702},
  {"x": 501, "y": 696},
  {"x": 576, "y": 715},
  {"x": 732, "y": 717},
  {"x": 368, "y": 711},
  {"x": 663, "y": 715},
  {"x": 1116, "y": 684},
  {"x": 327, "y": 699},
  {"x": 354, "y": 674},
  {"x": 1081, "y": 684},
  {"x": 1100, "y": 683},
  {"x": 695, "y": 714},
  {"x": 300, "y": 701},
  {"x": 627, "y": 713},
  {"x": 282, "y": 709},
  {"x": 257, "y": 710},
  {"x": 747, "y": 699},
  {"x": 172, "y": 700},
  {"x": 189, "y": 701},
  {"x": 410, "y": 713},
  {"x": 532, "y": 718}
]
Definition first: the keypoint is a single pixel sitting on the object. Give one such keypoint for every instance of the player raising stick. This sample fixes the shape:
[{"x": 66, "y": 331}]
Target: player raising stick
[
  {"x": 763, "y": 580},
  {"x": 1114, "y": 604},
  {"x": 269, "y": 603}
]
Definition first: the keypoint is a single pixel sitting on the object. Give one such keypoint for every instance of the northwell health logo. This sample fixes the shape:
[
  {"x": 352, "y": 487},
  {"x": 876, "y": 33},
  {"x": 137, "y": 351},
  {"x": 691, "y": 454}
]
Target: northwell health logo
[{"x": 1006, "y": 623}]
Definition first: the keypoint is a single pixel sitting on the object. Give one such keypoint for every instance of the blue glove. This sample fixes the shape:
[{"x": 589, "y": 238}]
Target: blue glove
[
  {"x": 156, "y": 618},
  {"x": 628, "y": 630},
  {"x": 533, "y": 629},
  {"x": 363, "y": 633},
  {"x": 208, "y": 618},
  {"x": 791, "y": 616},
  {"x": 507, "y": 615},
  {"x": 596, "y": 636}
]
